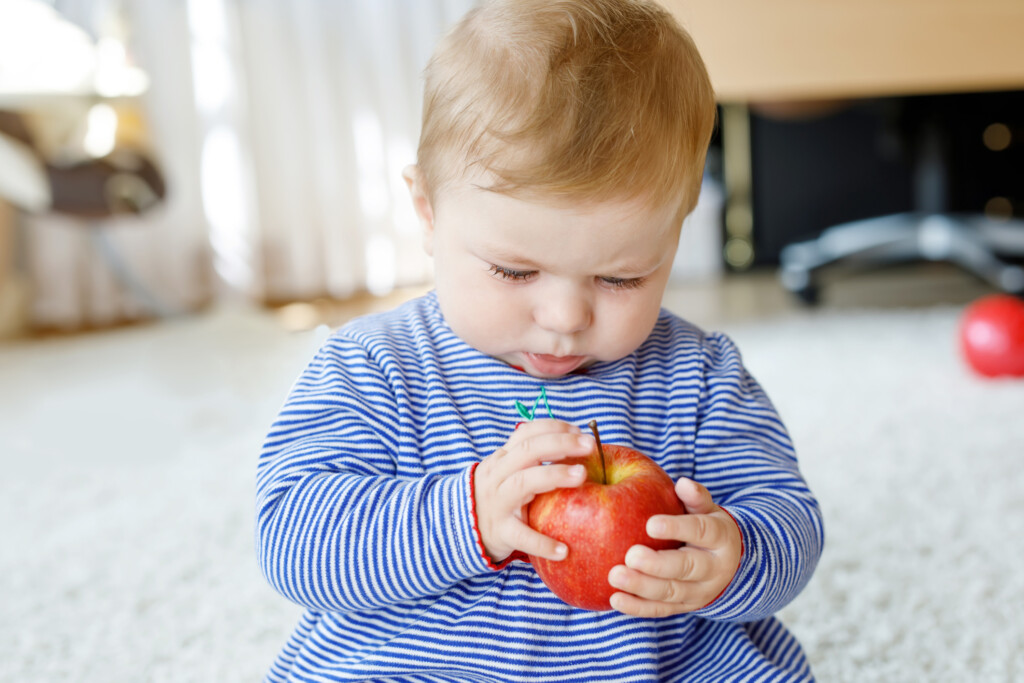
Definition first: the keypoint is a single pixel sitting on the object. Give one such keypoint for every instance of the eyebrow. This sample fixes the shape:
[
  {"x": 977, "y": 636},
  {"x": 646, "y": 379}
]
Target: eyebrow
[{"x": 497, "y": 253}]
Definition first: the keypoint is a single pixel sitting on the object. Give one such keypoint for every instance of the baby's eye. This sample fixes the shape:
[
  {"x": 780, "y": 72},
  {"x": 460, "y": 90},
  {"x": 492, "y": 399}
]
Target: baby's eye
[
  {"x": 511, "y": 274},
  {"x": 624, "y": 282}
]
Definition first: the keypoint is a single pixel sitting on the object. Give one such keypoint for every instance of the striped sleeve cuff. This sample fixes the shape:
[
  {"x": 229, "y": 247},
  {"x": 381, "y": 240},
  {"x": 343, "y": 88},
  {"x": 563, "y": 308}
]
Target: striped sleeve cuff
[
  {"x": 478, "y": 539},
  {"x": 744, "y": 598},
  {"x": 464, "y": 523}
]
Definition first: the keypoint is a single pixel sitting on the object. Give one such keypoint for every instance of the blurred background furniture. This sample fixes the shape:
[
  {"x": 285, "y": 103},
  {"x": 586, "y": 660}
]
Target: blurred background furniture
[
  {"x": 281, "y": 129},
  {"x": 813, "y": 62},
  {"x": 74, "y": 150},
  {"x": 87, "y": 188}
]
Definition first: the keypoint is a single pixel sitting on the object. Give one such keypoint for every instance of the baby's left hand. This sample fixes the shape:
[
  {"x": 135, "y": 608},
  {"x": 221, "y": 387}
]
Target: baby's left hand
[{"x": 659, "y": 583}]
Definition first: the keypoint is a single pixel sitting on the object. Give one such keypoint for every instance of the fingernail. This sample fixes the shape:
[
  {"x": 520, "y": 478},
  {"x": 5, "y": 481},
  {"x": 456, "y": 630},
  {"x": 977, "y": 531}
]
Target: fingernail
[
  {"x": 561, "y": 552},
  {"x": 577, "y": 471},
  {"x": 655, "y": 527},
  {"x": 634, "y": 556},
  {"x": 586, "y": 441},
  {"x": 573, "y": 429}
]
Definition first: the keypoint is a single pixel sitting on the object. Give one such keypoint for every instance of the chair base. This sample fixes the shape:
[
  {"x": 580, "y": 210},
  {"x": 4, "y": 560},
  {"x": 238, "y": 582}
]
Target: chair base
[{"x": 973, "y": 242}]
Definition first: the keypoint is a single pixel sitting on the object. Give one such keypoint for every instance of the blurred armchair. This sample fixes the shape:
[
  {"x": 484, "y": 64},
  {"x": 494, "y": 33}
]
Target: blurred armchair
[
  {"x": 123, "y": 181},
  {"x": 56, "y": 90}
]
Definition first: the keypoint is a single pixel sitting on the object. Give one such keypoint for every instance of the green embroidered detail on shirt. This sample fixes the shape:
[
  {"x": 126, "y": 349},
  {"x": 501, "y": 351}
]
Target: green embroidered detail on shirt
[{"x": 528, "y": 413}]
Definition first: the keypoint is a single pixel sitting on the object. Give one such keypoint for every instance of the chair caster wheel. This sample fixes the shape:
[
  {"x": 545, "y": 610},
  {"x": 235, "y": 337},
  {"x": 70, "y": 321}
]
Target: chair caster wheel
[{"x": 809, "y": 295}]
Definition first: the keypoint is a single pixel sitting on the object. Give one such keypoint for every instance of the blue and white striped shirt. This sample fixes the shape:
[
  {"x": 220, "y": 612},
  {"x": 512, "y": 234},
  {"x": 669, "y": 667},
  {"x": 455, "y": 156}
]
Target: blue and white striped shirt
[{"x": 365, "y": 516}]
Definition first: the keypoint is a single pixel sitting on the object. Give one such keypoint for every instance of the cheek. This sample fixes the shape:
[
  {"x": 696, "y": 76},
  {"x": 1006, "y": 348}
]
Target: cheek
[
  {"x": 626, "y": 324},
  {"x": 484, "y": 316}
]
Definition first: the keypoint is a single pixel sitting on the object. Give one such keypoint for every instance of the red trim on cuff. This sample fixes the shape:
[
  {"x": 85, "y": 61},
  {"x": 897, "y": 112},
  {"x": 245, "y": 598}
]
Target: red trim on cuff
[
  {"x": 743, "y": 550},
  {"x": 516, "y": 554}
]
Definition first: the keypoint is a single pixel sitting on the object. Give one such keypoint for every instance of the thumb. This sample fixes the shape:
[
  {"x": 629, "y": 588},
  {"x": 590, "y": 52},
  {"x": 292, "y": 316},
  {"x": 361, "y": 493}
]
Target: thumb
[{"x": 696, "y": 499}]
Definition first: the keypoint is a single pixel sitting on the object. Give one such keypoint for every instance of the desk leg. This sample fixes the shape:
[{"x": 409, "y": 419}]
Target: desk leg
[
  {"x": 14, "y": 290},
  {"x": 737, "y": 168}
]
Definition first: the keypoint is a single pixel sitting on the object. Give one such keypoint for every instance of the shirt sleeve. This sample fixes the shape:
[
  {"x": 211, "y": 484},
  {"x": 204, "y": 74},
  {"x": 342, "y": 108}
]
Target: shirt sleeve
[
  {"x": 745, "y": 458},
  {"x": 337, "y": 528}
]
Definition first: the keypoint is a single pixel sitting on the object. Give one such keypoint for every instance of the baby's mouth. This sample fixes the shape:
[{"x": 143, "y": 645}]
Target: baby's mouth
[{"x": 546, "y": 364}]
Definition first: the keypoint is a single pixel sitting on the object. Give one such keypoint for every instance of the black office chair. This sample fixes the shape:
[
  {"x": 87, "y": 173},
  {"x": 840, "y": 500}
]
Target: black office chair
[{"x": 975, "y": 242}]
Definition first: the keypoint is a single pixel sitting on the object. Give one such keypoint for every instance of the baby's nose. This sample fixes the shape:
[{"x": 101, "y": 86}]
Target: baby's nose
[{"x": 565, "y": 312}]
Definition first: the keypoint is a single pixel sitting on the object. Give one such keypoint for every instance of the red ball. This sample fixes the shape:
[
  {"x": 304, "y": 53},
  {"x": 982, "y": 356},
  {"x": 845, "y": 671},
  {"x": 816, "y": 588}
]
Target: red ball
[{"x": 992, "y": 336}]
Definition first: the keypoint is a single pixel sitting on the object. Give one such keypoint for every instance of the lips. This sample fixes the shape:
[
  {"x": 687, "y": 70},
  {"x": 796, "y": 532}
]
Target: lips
[{"x": 554, "y": 365}]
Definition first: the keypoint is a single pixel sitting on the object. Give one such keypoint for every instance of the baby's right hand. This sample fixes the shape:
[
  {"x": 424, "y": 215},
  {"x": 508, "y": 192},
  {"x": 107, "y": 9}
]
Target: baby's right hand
[{"x": 507, "y": 480}]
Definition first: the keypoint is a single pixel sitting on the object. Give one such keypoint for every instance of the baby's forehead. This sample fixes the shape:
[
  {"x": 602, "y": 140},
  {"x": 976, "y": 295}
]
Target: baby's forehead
[
  {"x": 490, "y": 208},
  {"x": 475, "y": 182},
  {"x": 501, "y": 216}
]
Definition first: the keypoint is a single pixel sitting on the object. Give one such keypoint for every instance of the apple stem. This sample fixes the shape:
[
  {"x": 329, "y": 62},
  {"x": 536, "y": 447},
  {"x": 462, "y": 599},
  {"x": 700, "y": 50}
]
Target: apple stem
[{"x": 600, "y": 451}]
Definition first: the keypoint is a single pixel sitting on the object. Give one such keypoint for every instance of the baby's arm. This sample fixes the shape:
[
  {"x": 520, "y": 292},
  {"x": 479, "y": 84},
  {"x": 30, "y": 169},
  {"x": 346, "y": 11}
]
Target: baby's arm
[
  {"x": 756, "y": 527},
  {"x": 744, "y": 456},
  {"x": 337, "y": 529}
]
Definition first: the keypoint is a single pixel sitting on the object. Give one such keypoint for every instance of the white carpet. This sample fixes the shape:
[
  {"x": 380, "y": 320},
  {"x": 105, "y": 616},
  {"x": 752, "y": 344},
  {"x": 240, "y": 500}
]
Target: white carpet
[{"x": 128, "y": 467}]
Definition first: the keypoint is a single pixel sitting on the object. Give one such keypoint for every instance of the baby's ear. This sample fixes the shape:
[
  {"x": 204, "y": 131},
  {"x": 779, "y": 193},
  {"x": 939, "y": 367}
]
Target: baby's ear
[{"x": 421, "y": 203}]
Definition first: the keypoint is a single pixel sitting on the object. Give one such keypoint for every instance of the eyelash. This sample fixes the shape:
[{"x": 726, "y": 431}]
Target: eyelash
[
  {"x": 510, "y": 274},
  {"x": 624, "y": 282},
  {"x": 522, "y": 275}
]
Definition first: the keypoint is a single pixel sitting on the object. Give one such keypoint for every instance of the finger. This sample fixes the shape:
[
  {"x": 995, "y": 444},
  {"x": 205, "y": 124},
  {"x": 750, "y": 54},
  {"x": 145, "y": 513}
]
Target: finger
[
  {"x": 522, "y": 486},
  {"x": 538, "y": 427},
  {"x": 528, "y": 431},
  {"x": 696, "y": 499},
  {"x": 548, "y": 447},
  {"x": 685, "y": 564},
  {"x": 638, "y": 607},
  {"x": 532, "y": 542},
  {"x": 702, "y": 531},
  {"x": 650, "y": 588},
  {"x": 535, "y": 428}
]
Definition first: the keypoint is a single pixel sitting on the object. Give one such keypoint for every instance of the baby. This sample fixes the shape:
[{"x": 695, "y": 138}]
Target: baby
[{"x": 563, "y": 143}]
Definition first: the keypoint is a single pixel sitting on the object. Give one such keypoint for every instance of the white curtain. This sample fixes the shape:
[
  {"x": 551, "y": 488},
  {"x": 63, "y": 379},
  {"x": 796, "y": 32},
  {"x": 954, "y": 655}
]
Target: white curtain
[
  {"x": 326, "y": 113},
  {"x": 282, "y": 127}
]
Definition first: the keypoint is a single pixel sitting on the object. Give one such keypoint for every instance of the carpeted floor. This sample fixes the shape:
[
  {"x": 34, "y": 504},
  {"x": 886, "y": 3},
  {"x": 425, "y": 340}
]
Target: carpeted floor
[{"x": 128, "y": 466}]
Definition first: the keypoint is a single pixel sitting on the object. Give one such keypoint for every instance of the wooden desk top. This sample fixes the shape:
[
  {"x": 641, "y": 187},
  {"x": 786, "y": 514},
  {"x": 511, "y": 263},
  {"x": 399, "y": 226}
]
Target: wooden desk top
[{"x": 764, "y": 50}]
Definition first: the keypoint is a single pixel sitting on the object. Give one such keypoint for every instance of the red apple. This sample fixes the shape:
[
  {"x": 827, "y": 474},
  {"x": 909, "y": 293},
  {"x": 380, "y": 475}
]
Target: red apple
[
  {"x": 992, "y": 336},
  {"x": 600, "y": 520}
]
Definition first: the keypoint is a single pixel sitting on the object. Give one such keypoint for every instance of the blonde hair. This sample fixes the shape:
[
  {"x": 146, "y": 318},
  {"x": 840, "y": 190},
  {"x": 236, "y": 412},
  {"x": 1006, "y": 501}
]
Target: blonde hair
[{"x": 585, "y": 99}]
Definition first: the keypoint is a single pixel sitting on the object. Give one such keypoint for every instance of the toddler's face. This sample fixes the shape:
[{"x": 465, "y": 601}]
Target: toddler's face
[{"x": 548, "y": 287}]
